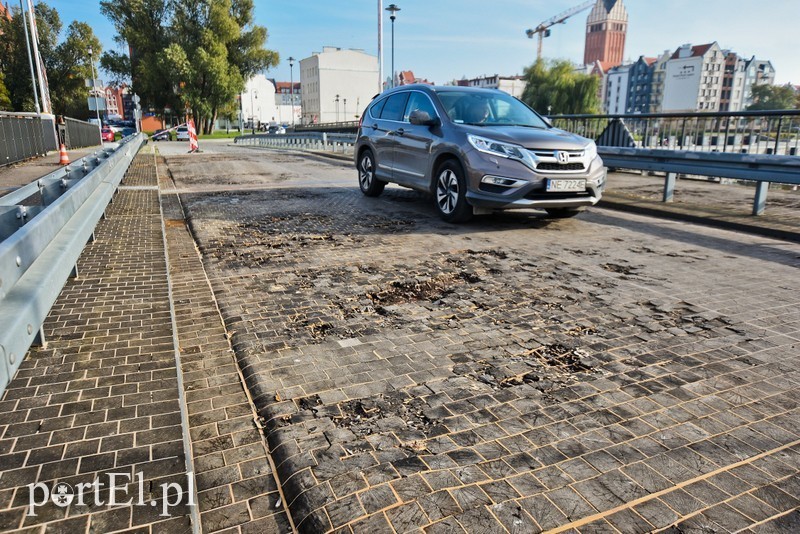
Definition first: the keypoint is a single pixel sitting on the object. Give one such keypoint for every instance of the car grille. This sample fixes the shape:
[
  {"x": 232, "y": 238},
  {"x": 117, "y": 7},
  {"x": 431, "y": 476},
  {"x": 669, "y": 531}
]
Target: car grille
[{"x": 547, "y": 166}]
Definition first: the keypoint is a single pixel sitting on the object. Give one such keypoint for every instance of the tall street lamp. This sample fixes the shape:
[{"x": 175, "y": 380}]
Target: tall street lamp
[
  {"x": 344, "y": 109},
  {"x": 392, "y": 9},
  {"x": 94, "y": 90},
  {"x": 291, "y": 84},
  {"x": 337, "y": 107},
  {"x": 253, "y": 111}
]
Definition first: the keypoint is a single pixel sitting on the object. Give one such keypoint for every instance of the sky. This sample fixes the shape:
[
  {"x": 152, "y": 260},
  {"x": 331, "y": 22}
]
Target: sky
[{"x": 444, "y": 40}]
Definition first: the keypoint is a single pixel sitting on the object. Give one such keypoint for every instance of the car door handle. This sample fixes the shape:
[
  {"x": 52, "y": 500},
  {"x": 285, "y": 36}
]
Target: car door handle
[
  {"x": 400, "y": 131},
  {"x": 374, "y": 126}
]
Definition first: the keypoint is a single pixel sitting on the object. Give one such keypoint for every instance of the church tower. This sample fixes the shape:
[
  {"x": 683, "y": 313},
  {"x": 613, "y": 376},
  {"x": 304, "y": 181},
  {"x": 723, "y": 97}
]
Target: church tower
[{"x": 605, "y": 33}]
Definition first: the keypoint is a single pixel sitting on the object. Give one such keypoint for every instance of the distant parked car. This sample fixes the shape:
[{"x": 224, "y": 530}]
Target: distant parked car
[
  {"x": 162, "y": 135},
  {"x": 128, "y": 131},
  {"x": 107, "y": 134},
  {"x": 276, "y": 129},
  {"x": 182, "y": 133}
]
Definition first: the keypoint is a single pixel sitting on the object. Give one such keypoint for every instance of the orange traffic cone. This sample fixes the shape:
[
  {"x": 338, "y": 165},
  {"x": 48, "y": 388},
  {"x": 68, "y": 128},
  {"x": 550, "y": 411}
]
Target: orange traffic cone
[{"x": 64, "y": 157}]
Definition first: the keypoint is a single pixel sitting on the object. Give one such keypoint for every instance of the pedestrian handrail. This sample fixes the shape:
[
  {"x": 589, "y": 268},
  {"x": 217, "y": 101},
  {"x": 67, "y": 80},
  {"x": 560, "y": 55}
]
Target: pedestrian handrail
[
  {"x": 43, "y": 229},
  {"x": 748, "y": 132}
]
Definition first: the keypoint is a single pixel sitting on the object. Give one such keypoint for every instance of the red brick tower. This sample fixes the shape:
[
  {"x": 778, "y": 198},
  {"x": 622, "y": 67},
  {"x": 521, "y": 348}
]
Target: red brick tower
[{"x": 605, "y": 33}]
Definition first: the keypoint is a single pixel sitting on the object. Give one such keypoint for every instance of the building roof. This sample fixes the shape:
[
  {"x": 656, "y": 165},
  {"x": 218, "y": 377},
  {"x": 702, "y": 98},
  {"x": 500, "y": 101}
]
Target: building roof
[
  {"x": 610, "y": 4},
  {"x": 699, "y": 50},
  {"x": 286, "y": 85}
]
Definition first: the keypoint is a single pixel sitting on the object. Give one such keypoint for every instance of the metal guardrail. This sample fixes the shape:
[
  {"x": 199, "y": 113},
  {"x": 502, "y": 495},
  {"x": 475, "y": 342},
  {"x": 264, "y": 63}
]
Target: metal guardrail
[
  {"x": 348, "y": 127},
  {"x": 45, "y": 226},
  {"x": 748, "y": 132},
  {"x": 25, "y": 135},
  {"x": 324, "y": 141},
  {"x": 763, "y": 169}
]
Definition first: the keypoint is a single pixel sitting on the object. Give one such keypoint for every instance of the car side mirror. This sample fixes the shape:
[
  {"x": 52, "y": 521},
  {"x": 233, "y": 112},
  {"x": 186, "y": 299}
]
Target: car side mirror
[{"x": 422, "y": 118}]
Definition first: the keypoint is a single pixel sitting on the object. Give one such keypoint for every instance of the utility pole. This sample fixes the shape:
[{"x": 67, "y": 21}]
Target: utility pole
[{"x": 30, "y": 59}]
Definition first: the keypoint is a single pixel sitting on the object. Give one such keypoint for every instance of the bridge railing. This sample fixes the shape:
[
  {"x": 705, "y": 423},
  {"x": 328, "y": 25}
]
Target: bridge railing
[
  {"x": 744, "y": 132},
  {"x": 44, "y": 226},
  {"x": 321, "y": 141}
]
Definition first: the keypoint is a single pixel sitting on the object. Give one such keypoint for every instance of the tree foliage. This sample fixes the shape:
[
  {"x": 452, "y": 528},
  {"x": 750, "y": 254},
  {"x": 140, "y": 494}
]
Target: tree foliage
[
  {"x": 556, "y": 89},
  {"x": 772, "y": 97},
  {"x": 65, "y": 55},
  {"x": 193, "y": 55}
]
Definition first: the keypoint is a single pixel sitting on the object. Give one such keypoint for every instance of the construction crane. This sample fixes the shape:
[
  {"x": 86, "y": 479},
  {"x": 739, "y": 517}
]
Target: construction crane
[{"x": 543, "y": 29}]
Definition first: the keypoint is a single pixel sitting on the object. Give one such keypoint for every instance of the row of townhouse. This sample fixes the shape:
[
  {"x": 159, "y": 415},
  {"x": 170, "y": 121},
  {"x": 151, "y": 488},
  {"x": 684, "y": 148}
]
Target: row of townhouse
[{"x": 692, "y": 78}]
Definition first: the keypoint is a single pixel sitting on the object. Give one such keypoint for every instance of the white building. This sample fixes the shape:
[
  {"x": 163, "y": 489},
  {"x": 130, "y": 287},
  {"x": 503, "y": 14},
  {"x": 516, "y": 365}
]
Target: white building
[
  {"x": 287, "y": 100},
  {"x": 693, "y": 80},
  {"x": 617, "y": 79},
  {"x": 337, "y": 84},
  {"x": 513, "y": 85},
  {"x": 757, "y": 72},
  {"x": 657, "y": 85},
  {"x": 258, "y": 101}
]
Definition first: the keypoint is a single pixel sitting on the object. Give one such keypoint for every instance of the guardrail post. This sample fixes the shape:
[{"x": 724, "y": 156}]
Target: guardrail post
[
  {"x": 324, "y": 141},
  {"x": 669, "y": 186},
  {"x": 760, "y": 202}
]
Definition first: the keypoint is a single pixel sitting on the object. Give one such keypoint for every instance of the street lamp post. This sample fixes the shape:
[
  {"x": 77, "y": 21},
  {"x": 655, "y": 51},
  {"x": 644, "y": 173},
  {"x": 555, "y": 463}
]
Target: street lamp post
[
  {"x": 392, "y": 9},
  {"x": 337, "y": 107},
  {"x": 344, "y": 109},
  {"x": 94, "y": 90},
  {"x": 252, "y": 111},
  {"x": 291, "y": 84}
]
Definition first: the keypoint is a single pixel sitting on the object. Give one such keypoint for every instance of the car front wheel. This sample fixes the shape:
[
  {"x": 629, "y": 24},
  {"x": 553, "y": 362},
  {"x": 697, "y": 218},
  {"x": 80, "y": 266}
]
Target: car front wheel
[
  {"x": 450, "y": 193},
  {"x": 370, "y": 186}
]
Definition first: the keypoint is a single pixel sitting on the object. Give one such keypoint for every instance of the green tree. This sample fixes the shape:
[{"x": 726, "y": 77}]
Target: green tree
[
  {"x": 5, "y": 96},
  {"x": 65, "y": 55},
  {"x": 558, "y": 89},
  {"x": 188, "y": 54},
  {"x": 772, "y": 97}
]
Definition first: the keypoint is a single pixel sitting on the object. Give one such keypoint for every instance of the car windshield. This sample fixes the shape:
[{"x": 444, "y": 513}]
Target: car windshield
[{"x": 488, "y": 109}]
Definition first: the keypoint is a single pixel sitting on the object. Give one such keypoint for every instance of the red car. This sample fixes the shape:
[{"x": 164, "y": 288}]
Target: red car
[{"x": 107, "y": 134}]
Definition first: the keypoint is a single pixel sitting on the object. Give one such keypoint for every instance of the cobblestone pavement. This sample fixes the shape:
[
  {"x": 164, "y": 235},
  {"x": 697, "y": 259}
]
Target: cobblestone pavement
[{"x": 607, "y": 373}]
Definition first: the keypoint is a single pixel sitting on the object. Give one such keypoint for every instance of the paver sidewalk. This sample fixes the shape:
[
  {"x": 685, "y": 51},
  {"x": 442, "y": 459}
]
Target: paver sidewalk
[{"x": 103, "y": 396}]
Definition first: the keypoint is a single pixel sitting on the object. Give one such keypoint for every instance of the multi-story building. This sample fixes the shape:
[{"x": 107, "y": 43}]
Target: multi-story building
[
  {"x": 606, "y": 28},
  {"x": 288, "y": 102},
  {"x": 114, "y": 109},
  {"x": 657, "y": 85},
  {"x": 257, "y": 102},
  {"x": 513, "y": 85},
  {"x": 757, "y": 72},
  {"x": 640, "y": 85},
  {"x": 617, "y": 84},
  {"x": 732, "y": 96},
  {"x": 337, "y": 84},
  {"x": 693, "y": 80}
]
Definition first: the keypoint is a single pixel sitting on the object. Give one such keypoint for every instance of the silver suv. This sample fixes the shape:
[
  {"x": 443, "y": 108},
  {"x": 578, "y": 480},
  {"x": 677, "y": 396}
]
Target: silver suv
[{"x": 476, "y": 150}]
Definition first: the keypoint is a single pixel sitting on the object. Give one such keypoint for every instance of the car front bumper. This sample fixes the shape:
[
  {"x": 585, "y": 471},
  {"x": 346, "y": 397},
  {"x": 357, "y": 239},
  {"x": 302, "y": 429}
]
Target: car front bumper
[{"x": 531, "y": 185}]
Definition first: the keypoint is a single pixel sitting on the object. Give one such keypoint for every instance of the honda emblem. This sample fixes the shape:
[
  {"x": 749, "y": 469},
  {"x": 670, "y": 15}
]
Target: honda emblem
[{"x": 562, "y": 157}]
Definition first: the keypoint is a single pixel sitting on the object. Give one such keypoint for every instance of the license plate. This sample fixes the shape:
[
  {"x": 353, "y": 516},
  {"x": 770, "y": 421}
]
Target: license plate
[{"x": 560, "y": 186}]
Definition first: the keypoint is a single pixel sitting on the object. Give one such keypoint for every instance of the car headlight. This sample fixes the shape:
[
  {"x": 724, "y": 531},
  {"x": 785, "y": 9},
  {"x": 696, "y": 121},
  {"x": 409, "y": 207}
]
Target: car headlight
[
  {"x": 590, "y": 152},
  {"x": 496, "y": 148}
]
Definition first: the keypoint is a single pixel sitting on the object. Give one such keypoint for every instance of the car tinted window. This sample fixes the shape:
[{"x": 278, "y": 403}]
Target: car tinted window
[
  {"x": 419, "y": 101},
  {"x": 395, "y": 105},
  {"x": 489, "y": 108},
  {"x": 376, "y": 108}
]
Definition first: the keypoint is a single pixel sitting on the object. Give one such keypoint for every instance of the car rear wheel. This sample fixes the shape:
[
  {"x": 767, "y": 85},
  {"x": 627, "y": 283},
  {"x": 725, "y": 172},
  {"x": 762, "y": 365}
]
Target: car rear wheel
[
  {"x": 450, "y": 193},
  {"x": 563, "y": 213},
  {"x": 370, "y": 186}
]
